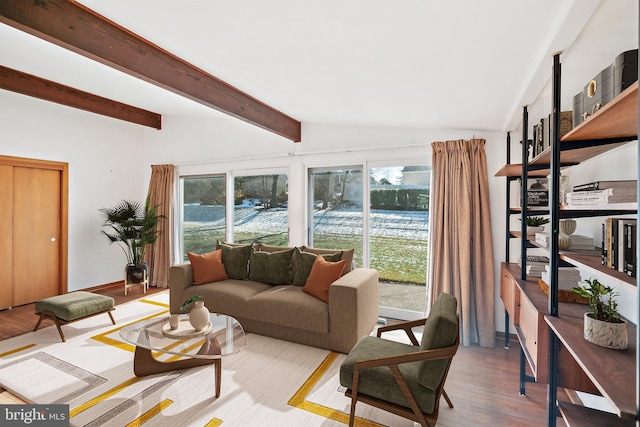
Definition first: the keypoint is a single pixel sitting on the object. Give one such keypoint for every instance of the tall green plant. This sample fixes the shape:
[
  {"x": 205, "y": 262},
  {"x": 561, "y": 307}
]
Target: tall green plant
[{"x": 133, "y": 226}]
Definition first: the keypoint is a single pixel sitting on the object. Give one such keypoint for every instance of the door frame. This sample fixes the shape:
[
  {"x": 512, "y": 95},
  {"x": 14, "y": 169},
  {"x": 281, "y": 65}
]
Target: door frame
[{"x": 64, "y": 206}]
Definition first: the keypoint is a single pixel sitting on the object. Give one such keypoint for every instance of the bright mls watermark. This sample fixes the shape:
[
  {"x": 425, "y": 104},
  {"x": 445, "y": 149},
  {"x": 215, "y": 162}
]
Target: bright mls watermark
[{"x": 34, "y": 415}]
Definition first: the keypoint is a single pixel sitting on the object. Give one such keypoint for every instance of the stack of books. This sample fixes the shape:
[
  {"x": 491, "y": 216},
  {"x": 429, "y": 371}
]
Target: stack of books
[
  {"x": 619, "y": 245},
  {"x": 596, "y": 195},
  {"x": 568, "y": 277},
  {"x": 536, "y": 264},
  {"x": 582, "y": 243},
  {"x": 542, "y": 239}
]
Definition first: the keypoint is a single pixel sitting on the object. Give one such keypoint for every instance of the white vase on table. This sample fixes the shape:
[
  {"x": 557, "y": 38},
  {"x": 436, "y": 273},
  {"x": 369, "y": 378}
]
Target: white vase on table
[{"x": 199, "y": 316}]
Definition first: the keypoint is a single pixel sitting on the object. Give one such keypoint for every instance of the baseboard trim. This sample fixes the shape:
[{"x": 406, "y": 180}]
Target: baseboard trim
[{"x": 119, "y": 283}]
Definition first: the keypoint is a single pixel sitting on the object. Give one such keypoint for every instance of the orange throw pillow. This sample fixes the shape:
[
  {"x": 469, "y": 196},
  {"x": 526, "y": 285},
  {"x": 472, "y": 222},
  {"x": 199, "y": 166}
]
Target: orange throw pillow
[
  {"x": 207, "y": 267},
  {"x": 323, "y": 274}
]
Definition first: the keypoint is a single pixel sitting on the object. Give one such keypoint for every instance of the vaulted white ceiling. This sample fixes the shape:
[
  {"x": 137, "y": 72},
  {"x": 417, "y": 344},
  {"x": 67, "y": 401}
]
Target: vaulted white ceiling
[{"x": 406, "y": 63}]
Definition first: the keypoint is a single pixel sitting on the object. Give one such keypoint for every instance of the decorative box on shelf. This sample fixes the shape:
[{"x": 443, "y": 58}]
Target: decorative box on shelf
[
  {"x": 564, "y": 295},
  {"x": 609, "y": 83}
]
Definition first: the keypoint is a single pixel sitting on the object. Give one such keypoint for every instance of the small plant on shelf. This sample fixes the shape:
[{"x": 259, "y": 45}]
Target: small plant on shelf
[
  {"x": 536, "y": 221},
  {"x": 603, "y": 326},
  {"x": 601, "y": 300}
]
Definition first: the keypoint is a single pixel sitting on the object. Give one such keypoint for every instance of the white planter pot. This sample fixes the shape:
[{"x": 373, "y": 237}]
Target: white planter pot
[
  {"x": 199, "y": 316},
  {"x": 531, "y": 230},
  {"x": 606, "y": 334}
]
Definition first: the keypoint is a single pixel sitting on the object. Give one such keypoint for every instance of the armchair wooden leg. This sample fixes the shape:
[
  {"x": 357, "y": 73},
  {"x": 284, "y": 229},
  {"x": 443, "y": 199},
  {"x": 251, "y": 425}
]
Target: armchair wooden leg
[
  {"x": 446, "y": 397},
  {"x": 354, "y": 397}
]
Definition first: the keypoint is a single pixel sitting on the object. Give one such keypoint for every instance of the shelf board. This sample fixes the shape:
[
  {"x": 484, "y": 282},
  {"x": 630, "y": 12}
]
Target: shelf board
[
  {"x": 611, "y": 371},
  {"x": 515, "y": 169},
  {"x": 602, "y": 210},
  {"x": 588, "y": 260},
  {"x": 592, "y": 261},
  {"x": 538, "y": 299},
  {"x": 618, "y": 119},
  {"x": 581, "y": 416}
]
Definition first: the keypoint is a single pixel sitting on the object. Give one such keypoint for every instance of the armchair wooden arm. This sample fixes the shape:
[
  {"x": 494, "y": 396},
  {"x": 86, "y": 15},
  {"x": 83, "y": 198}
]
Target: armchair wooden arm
[{"x": 406, "y": 326}]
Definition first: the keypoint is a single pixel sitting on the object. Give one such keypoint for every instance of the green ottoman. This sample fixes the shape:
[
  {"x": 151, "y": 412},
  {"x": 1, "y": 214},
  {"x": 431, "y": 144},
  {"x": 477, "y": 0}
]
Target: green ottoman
[{"x": 73, "y": 306}]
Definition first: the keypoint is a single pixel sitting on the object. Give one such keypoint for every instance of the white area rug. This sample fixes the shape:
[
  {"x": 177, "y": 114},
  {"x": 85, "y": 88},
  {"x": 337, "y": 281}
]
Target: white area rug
[{"x": 269, "y": 383}]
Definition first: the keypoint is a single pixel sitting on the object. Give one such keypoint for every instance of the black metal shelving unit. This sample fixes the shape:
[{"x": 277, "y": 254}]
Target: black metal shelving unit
[{"x": 574, "y": 414}]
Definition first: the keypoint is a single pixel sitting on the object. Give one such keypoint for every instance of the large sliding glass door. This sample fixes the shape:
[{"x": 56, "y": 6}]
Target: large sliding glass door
[
  {"x": 399, "y": 237},
  {"x": 335, "y": 201},
  {"x": 390, "y": 235}
]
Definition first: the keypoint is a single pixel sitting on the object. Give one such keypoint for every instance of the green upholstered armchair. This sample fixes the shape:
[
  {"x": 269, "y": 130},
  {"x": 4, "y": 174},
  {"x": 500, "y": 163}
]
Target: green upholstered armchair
[{"x": 405, "y": 379}]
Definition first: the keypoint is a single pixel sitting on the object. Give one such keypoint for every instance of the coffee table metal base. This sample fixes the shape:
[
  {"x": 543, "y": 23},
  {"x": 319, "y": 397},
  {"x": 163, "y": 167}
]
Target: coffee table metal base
[{"x": 145, "y": 364}]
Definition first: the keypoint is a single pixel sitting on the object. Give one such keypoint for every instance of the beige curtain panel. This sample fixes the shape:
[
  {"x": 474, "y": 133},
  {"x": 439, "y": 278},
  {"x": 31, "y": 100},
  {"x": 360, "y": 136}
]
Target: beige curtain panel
[
  {"x": 462, "y": 262},
  {"x": 158, "y": 255}
]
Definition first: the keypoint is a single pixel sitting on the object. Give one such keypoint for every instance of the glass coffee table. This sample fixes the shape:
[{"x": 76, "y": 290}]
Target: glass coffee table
[{"x": 161, "y": 349}]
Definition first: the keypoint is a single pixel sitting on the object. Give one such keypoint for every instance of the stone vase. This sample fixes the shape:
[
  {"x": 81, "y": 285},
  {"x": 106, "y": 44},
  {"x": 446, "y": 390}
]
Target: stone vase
[
  {"x": 199, "y": 316},
  {"x": 606, "y": 334}
]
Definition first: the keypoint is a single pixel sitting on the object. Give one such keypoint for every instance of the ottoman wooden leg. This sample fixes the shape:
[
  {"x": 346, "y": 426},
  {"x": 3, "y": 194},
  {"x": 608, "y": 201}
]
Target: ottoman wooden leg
[{"x": 50, "y": 315}]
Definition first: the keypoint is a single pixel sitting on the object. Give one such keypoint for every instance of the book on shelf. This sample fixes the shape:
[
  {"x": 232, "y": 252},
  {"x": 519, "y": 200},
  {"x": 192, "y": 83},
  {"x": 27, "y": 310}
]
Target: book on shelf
[
  {"x": 582, "y": 243},
  {"x": 618, "y": 191},
  {"x": 618, "y": 244},
  {"x": 588, "y": 199},
  {"x": 630, "y": 249},
  {"x": 630, "y": 206},
  {"x": 601, "y": 185},
  {"x": 536, "y": 264}
]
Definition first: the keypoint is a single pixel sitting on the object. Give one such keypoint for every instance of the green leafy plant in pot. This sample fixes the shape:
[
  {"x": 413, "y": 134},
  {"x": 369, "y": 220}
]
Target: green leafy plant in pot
[
  {"x": 535, "y": 224},
  {"x": 132, "y": 225},
  {"x": 603, "y": 325}
]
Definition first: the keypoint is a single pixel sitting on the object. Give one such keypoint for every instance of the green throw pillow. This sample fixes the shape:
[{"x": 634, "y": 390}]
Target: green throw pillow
[
  {"x": 304, "y": 261},
  {"x": 236, "y": 260},
  {"x": 271, "y": 267}
]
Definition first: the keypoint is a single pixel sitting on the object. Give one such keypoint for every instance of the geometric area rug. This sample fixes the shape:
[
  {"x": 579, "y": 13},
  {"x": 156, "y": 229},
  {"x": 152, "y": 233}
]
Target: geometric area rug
[{"x": 269, "y": 383}]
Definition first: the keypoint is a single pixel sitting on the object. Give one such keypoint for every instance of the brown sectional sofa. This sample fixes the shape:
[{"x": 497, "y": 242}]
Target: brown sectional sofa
[{"x": 285, "y": 311}]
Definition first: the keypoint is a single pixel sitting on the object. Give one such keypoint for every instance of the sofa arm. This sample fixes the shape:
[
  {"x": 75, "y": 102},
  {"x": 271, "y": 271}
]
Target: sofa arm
[
  {"x": 180, "y": 278},
  {"x": 353, "y": 308}
]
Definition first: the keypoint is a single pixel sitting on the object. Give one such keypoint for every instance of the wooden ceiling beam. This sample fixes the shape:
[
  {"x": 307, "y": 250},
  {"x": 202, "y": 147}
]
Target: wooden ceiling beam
[
  {"x": 81, "y": 30},
  {"x": 27, "y": 84}
]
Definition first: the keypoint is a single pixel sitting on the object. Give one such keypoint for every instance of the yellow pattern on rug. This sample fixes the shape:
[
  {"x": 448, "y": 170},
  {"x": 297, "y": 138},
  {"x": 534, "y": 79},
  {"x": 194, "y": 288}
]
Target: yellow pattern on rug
[{"x": 298, "y": 399}]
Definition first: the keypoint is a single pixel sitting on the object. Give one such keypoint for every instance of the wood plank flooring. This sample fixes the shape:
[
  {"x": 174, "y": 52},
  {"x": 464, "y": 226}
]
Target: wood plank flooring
[{"x": 482, "y": 382}]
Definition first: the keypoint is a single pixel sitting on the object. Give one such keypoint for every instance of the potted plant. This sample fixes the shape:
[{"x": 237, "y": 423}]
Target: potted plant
[
  {"x": 535, "y": 224},
  {"x": 133, "y": 226},
  {"x": 603, "y": 325}
]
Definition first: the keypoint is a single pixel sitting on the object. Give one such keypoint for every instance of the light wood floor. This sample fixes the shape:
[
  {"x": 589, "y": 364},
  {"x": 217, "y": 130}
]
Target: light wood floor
[{"x": 482, "y": 382}]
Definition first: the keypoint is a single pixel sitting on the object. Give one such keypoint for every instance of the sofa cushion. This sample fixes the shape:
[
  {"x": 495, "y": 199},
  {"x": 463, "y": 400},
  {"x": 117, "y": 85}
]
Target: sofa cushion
[
  {"x": 228, "y": 296},
  {"x": 290, "y": 306},
  {"x": 271, "y": 267},
  {"x": 262, "y": 247},
  {"x": 236, "y": 260},
  {"x": 322, "y": 275},
  {"x": 207, "y": 267},
  {"x": 346, "y": 255},
  {"x": 303, "y": 262}
]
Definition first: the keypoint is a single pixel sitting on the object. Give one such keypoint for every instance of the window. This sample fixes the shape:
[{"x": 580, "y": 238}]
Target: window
[
  {"x": 260, "y": 209},
  {"x": 336, "y": 210},
  {"x": 203, "y": 213}
]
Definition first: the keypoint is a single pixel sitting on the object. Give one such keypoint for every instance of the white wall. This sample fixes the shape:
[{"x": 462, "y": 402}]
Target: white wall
[{"x": 105, "y": 158}]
